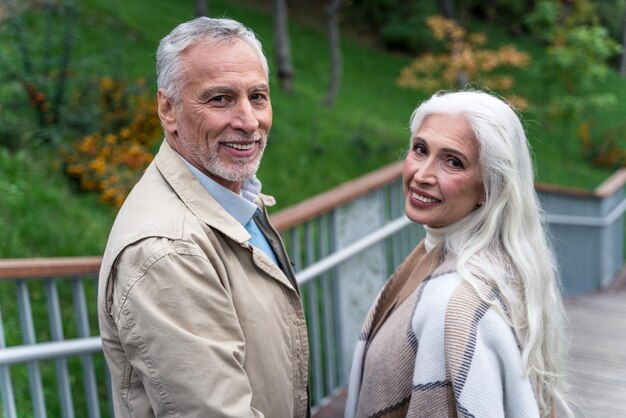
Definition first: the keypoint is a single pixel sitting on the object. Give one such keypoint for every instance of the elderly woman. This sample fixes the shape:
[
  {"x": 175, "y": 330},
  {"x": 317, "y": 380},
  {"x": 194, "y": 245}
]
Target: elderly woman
[{"x": 471, "y": 323}]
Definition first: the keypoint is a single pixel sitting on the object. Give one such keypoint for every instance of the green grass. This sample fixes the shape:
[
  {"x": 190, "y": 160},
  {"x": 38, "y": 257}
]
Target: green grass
[
  {"x": 42, "y": 215},
  {"x": 312, "y": 148}
]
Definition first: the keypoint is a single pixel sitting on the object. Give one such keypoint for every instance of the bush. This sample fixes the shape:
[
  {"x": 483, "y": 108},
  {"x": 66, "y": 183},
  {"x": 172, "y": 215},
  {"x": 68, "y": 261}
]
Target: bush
[
  {"x": 466, "y": 61},
  {"x": 110, "y": 159},
  {"x": 606, "y": 148},
  {"x": 37, "y": 62},
  {"x": 398, "y": 24}
]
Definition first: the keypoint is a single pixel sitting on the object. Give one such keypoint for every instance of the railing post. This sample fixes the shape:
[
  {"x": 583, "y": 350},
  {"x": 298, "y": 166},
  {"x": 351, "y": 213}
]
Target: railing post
[
  {"x": 28, "y": 332},
  {"x": 6, "y": 387},
  {"x": 612, "y": 236},
  {"x": 56, "y": 329},
  {"x": 82, "y": 316}
]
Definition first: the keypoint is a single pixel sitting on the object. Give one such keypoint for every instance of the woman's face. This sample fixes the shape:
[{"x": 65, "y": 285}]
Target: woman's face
[{"x": 441, "y": 176}]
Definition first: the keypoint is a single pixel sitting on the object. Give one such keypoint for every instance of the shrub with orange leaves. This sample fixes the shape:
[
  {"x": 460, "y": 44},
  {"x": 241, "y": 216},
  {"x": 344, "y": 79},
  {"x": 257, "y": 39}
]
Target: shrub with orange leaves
[
  {"x": 603, "y": 149},
  {"x": 467, "y": 61},
  {"x": 110, "y": 160}
]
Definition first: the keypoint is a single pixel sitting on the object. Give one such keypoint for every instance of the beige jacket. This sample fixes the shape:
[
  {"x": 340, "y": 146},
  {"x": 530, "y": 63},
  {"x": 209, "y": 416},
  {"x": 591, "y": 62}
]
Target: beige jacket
[{"x": 194, "y": 321}]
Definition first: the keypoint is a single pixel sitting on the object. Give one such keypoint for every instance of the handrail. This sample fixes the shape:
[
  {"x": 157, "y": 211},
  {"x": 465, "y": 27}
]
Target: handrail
[
  {"x": 609, "y": 186},
  {"x": 27, "y": 268},
  {"x": 600, "y": 221},
  {"x": 325, "y": 264},
  {"x": 49, "y": 350},
  {"x": 324, "y": 202}
]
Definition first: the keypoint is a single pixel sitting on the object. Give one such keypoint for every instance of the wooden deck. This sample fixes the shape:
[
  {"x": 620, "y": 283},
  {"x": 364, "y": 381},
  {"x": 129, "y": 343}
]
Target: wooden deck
[{"x": 597, "y": 363}]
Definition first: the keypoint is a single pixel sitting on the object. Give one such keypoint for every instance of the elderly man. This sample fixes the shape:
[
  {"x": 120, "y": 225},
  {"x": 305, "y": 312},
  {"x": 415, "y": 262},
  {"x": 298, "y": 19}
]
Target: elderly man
[{"x": 200, "y": 313}]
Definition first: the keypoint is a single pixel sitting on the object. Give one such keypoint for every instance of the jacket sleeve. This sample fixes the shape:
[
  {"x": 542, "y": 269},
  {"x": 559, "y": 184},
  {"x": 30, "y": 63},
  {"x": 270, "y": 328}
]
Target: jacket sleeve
[{"x": 177, "y": 323}]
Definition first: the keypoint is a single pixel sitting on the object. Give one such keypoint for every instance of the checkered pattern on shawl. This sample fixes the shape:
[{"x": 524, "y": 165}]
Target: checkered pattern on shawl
[{"x": 389, "y": 389}]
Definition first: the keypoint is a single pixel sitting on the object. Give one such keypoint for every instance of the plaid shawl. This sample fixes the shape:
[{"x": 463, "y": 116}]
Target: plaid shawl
[{"x": 430, "y": 347}]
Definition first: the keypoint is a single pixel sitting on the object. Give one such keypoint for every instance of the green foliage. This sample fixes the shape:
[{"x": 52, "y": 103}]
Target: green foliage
[
  {"x": 399, "y": 24},
  {"x": 575, "y": 59},
  {"x": 577, "y": 47},
  {"x": 604, "y": 147},
  {"x": 41, "y": 215},
  {"x": 38, "y": 60},
  {"x": 578, "y": 56},
  {"x": 611, "y": 16},
  {"x": 311, "y": 148},
  {"x": 504, "y": 12}
]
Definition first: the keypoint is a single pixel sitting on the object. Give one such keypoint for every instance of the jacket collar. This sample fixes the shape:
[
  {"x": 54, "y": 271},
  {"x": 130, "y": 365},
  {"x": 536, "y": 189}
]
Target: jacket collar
[{"x": 199, "y": 201}]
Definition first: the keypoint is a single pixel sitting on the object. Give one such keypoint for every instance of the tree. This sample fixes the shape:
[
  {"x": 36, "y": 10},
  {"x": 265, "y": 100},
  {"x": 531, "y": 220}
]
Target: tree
[
  {"x": 446, "y": 8},
  {"x": 622, "y": 67},
  {"x": 281, "y": 44},
  {"x": 334, "y": 42},
  {"x": 202, "y": 8},
  {"x": 576, "y": 58},
  {"x": 466, "y": 61}
]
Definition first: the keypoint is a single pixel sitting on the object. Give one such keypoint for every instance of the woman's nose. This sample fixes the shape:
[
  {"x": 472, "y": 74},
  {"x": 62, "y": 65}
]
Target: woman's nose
[{"x": 425, "y": 172}]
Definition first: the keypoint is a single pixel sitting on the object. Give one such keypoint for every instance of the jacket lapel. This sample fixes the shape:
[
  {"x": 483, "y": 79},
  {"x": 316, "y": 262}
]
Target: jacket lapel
[{"x": 208, "y": 210}]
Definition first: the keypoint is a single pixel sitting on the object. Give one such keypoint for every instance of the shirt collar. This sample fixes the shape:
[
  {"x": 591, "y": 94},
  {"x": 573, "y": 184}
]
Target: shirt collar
[{"x": 240, "y": 206}]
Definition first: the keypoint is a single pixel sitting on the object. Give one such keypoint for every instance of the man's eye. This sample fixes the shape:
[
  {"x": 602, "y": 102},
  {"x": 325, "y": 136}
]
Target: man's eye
[
  {"x": 257, "y": 97},
  {"x": 217, "y": 99},
  {"x": 419, "y": 149}
]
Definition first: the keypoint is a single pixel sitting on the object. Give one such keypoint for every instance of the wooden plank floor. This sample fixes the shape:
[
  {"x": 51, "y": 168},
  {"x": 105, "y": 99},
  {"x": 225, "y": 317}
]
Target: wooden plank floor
[{"x": 597, "y": 363}]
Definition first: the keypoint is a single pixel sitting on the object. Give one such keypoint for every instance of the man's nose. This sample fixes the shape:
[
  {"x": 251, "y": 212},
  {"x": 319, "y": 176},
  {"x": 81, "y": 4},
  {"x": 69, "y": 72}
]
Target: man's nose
[{"x": 244, "y": 117}]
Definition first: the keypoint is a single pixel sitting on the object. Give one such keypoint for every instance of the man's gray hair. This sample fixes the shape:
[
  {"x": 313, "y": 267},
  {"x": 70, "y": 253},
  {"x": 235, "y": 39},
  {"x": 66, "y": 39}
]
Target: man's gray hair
[{"x": 202, "y": 29}]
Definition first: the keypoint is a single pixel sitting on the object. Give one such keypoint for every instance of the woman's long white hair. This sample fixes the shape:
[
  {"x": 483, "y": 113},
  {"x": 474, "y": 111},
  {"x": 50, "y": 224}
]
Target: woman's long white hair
[{"x": 504, "y": 241}]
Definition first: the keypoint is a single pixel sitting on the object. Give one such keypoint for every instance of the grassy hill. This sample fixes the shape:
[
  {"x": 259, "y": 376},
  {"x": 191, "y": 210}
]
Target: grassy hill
[{"x": 312, "y": 148}]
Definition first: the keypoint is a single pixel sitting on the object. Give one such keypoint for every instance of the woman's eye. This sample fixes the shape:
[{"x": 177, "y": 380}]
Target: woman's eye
[{"x": 454, "y": 163}]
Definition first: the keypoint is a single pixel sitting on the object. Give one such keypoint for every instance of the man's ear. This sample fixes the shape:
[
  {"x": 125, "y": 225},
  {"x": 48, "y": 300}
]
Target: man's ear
[{"x": 166, "y": 111}]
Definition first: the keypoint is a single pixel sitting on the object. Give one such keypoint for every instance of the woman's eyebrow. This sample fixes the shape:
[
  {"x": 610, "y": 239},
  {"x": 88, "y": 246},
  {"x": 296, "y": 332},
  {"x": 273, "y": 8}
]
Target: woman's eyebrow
[
  {"x": 454, "y": 151},
  {"x": 445, "y": 150}
]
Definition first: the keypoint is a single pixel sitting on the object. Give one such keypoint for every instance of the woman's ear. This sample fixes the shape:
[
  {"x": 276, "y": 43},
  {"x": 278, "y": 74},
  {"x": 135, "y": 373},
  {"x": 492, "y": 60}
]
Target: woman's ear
[
  {"x": 482, "y": 200},
  {"x": 167, "y": 112}
]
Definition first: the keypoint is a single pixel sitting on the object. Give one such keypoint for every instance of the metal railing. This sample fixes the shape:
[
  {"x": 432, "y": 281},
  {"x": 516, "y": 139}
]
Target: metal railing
[
  {"x": 356, "y": 232},
  {"x": 331, "y": 244},
  {"x": 51, "y": 362},
  {"x": 588, "y": 232}
]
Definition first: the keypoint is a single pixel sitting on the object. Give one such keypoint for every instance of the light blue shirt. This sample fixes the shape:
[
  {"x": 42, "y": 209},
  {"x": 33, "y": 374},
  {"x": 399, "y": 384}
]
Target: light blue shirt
[{"x": 241, "y": 206}]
